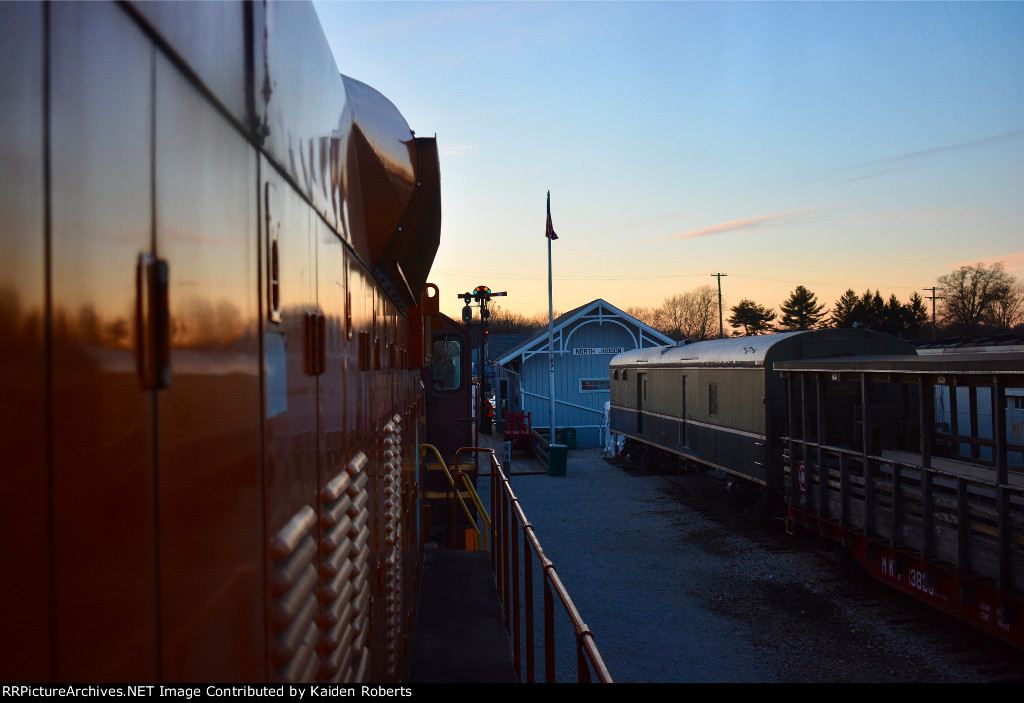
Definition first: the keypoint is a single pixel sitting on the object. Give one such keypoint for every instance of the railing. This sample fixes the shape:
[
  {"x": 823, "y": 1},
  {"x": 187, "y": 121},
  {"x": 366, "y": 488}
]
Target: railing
[
  {"x": 518, "y": 598},
  {"x": 481, "y": 540},
  {"x": 953, "y": 512}
]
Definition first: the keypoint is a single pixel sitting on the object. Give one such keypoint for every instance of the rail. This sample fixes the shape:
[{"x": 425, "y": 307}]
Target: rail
[
  {"x": 481, "y": 539},
  {"x": 518, "y": 598}
]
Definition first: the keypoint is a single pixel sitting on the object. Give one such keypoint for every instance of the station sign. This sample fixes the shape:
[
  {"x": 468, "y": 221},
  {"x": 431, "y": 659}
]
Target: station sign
[{"x": 589, "y": 351}]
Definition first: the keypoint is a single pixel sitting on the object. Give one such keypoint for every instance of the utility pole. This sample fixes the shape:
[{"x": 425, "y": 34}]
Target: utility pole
[
  {"x": 934, "y": 296},
  {"x": 721, "y": 328}
]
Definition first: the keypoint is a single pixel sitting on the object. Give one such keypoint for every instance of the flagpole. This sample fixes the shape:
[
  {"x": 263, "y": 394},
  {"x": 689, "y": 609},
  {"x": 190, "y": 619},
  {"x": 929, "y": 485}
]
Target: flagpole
[{"x": 551, "y": 332}]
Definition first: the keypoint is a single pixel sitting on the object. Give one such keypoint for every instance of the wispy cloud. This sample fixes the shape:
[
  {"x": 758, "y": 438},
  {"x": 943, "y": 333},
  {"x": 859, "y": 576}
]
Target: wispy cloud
[
  {"x": 899, "y": 162},
  {"x": 1011, "y": 262},
  {"x": 995, "y": 140},
  {"x": 744, "y": 226}
]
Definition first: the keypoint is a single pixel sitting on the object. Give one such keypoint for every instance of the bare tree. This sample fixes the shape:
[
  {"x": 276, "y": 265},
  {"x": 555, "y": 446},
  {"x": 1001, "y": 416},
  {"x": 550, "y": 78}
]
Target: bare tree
[
  {"x": 972, "y": 294},
  {"x": 692, "y": 315},
  {"x": 646, "y": 315},
  {"x": 1008, "y": 311},
  {"x": 503, "y": 321}
]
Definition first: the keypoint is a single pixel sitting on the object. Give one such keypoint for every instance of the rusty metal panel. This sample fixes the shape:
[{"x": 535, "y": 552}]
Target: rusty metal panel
[
  {"x": 209, "y": 37},
  {"x": 212, "y": 593},
  {"x": 24, "y": 588},
  {"x": 103, "y": 528}
]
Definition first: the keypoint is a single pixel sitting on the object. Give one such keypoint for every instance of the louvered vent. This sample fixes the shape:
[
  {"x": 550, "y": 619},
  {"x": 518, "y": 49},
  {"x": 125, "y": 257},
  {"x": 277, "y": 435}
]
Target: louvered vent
[
  {"x": 392, "y": 549},
  {"x": 295, "y": 603},
  {"x": 345, "y": 575}
]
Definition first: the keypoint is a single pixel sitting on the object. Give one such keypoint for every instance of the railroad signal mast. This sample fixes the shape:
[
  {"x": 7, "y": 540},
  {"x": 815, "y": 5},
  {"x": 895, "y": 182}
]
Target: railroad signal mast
[{"x": 481, "y": 295}]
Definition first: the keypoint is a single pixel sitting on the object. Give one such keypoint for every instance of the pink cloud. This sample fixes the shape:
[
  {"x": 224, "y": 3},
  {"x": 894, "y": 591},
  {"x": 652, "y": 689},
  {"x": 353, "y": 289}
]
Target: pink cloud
[
  {"x": 1011, "y": 262},
  {"x": 748, "y": 224}
]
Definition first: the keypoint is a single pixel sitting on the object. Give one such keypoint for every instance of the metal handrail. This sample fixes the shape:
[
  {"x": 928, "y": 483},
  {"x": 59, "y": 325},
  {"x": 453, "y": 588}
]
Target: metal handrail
[
  {"x": 505, "y": 559},
  {"x": 480, "y": 539},
  {"x": 472, "y": 490}
]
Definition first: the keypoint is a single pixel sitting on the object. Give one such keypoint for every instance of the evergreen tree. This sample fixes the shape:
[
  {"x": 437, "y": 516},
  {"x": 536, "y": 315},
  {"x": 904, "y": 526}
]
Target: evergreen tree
[
  {"x": 847, "y": 310},
  {"x": 801, "y": 311},
  {"x": 894, "y": 317},
  {"x": 872, "y": 310},
  {"x": 916, "y": 314},
  {"x": 753, "y": 318}
]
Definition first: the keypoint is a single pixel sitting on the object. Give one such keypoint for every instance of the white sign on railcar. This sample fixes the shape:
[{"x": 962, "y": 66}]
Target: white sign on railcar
[{"x": 587, "y": 351}]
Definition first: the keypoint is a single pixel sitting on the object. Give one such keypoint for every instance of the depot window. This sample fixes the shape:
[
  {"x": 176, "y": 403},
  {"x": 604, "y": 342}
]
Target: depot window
[
  {"x": 446, "y": 373},
  {"x": 594, "y": 385}
]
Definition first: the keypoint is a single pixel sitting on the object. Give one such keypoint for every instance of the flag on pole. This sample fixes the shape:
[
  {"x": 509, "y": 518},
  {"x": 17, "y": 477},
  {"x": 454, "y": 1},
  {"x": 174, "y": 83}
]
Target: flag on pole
[{"x": 550, "y": 231}]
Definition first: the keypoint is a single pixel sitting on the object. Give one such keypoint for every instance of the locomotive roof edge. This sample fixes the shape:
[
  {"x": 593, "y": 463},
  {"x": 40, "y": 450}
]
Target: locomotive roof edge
[
  {"x": 759, "y": 350},
  {"x": 344, "y": 145}
]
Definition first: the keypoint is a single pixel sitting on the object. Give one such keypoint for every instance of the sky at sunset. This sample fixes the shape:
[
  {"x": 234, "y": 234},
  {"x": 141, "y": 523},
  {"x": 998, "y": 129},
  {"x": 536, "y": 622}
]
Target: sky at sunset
[{"x": 835, "y": 145}]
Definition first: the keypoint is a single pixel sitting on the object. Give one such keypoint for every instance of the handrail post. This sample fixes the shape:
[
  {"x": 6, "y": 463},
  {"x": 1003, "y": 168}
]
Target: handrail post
[
  {"x": 530, "y": 639},
  {"x": 549, "y": 632},
  {"x": 515, "y": 601}
]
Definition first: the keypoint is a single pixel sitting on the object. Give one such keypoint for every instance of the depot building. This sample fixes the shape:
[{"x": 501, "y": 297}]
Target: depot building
[{"x": 584, "y": 342}]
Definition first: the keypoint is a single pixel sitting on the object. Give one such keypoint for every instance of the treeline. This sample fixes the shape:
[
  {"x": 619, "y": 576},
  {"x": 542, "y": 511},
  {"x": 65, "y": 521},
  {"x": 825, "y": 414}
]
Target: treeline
[
  {"x": 506, "y": 322},
  {"x": 971, "y": 301}
]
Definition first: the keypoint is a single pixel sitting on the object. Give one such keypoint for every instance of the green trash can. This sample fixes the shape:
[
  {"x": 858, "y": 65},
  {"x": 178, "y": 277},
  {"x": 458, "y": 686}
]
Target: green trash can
[
  {"x": 556, "y": 459},
  {"x": 568, "y": 437}
]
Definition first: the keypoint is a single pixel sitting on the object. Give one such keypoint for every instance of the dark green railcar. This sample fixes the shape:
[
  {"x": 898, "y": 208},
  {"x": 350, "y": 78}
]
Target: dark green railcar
[{"x": 720, "y": 403}]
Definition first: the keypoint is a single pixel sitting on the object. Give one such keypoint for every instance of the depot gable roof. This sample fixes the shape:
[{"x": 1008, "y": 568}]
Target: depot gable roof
[{"x": 599, "y": 311}]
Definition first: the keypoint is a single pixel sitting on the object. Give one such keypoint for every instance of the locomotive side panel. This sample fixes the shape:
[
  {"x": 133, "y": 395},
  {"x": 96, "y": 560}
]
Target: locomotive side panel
[
  {"x": 23, "y": 309},
  {"x": 213, "y": 445},
  {"x": 208, "y": 408},
  {"x": 102, "y": 422},
  {"x": 291, "y": 325}
]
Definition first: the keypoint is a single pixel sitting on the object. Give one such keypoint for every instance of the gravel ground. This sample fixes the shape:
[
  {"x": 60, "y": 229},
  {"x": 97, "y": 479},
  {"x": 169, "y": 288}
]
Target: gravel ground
[{"x": 675, "y": 590}]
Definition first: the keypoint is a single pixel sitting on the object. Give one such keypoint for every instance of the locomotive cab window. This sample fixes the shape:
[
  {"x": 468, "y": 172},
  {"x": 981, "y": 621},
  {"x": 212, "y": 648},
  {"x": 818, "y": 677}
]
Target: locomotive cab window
[{"x": 446, "y": 373}]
